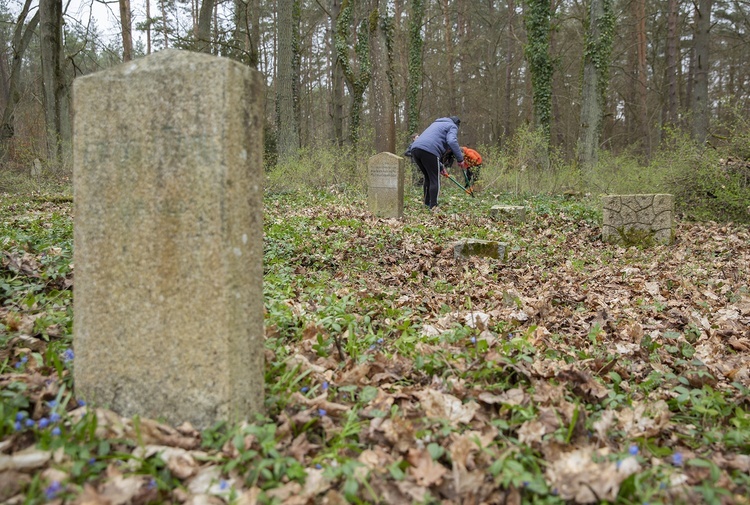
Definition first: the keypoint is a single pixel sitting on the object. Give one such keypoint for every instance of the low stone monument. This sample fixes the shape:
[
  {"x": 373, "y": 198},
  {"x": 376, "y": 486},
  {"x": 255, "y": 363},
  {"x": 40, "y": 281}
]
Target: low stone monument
[
  {"x": 512, "y": 213},
  {"x": 385, "y": 185},
  {"x": 168, "y": 320},
  {"x": 483, "y": 248},
  {"x": 638, "y": 219}
]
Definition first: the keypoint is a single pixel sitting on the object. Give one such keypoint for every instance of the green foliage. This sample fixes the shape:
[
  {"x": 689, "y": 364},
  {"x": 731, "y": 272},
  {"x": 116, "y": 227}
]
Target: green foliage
[
  {"x": 537, "y": 17},
  {"x": 598, "y": 49},
  {"x": 415, "y": 64},
  {"x": 705, "y": 186},
  {"x": 359, "y": 79},
  {"x": 319, "y": 167}
]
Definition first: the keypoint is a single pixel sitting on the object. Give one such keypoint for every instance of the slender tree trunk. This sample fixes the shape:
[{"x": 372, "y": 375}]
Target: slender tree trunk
[
  {"x": 510, "y": 56},
  {"x": 538, "y": 22},
  {"x": 127, "y": 33},
  {"x": 163, "y": 5},
  {"x": 22, "y": 35},
  {"x": 596, "y": 62},
  {"x": 203, "y": 31},
  {"x": 414, "y": 81},
  {"x": 672, "y": 59},
  {"x": 700, "y": 87},
  {"x": 55, "y": 87},
  {"x": 288, "y": 131},
  {"x": 148, "y": 26},
  {"x": 450, "y": 55},
  {"x": 642, "y": 84},
  {"x": 382, "y": 97}
]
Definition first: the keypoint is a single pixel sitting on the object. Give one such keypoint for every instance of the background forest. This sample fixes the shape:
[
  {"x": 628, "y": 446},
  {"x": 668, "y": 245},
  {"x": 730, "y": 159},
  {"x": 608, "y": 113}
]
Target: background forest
[{"x": 598, "y": 96}]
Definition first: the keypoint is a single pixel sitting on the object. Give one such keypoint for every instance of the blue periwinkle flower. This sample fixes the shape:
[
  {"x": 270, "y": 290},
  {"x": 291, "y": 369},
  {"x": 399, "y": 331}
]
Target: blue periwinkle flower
[{"x": 52, "y": 490}]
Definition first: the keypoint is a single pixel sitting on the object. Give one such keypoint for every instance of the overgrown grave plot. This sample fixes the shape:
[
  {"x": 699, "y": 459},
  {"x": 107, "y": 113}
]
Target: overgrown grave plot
[{"x": 577, "y": 371}]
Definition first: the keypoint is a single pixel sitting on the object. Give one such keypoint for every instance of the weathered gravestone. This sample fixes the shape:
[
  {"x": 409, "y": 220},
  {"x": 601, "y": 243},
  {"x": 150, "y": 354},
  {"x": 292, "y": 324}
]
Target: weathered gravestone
[
  {"x": 483, "y": 248},
  {"x": 385, "y": 183},
  {"x": 637, "y": 219},
  {"x": 168, "y": 320},
  {"x": 512, "y": 213}
]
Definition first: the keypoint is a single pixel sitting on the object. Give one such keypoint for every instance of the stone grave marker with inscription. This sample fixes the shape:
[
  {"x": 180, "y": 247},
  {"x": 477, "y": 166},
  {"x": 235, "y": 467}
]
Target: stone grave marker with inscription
[
  {"x": 385, "y": 185},
  {"x": 168, "y": 319},
  {"x": 638, "y": 219}
]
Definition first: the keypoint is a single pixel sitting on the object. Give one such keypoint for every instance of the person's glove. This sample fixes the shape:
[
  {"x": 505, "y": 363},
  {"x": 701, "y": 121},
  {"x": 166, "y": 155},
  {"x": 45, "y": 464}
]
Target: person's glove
[
  {"x": 463, "y": 164},
  {"x": 443, "y": 172}
]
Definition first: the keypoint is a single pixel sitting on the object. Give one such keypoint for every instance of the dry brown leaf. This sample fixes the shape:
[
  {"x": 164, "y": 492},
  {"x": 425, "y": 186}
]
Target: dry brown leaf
[
  {"x": 424, "y": 469},
  {"x": 444, "y": 406}
]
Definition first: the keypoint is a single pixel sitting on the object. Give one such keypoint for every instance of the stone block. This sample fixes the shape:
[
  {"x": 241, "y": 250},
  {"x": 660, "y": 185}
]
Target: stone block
[
  {"x": 483, "y": 248},
  {"x": 638, "y": 219},
  {"x": 168, "y": 319},
  {"x": 512, "y": 213},
  {"x": 385, "y": 185}
]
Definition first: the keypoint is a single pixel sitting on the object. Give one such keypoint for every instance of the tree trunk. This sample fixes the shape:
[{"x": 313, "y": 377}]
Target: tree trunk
[
  {"x": 21, "y": 37},
  {"x": 509, "y": 62},
  {"x": 414, "y": 81},
  {"x": 163, "y": 5},
  {"x": 642, "y": 85},
  {"x": 55, "y": 87},
  {"x": 356, "y": 81},
  {"x": 450, "y": 56},
  {"x": 148, "y": 26},
  {"x": 672, "y": 59},
  {"x": 537, "y": 18},
  {"x": 203, "y": 32},
  {"x": 288, "y": 131},
  {"x": 382, "y": 97},
  {"x": 700, "y": 87},
  {"x": 127, "y": 33},
  {"x": 596, "y": 61}
]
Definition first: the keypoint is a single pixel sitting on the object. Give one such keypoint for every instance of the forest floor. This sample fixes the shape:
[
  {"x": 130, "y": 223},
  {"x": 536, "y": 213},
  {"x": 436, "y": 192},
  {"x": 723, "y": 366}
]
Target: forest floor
[{"x": 573, "y": 372}]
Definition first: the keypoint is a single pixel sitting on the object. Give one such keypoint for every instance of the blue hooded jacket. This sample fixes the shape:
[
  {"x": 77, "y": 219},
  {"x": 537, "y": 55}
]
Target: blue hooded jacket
[{"x": 439, "y": 137}]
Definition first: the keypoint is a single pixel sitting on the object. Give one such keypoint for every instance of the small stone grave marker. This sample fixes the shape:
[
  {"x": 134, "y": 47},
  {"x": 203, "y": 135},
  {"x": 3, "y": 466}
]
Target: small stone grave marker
[
  {"x": 638, "y": 219},
  {"x": 483, "y": 248},
  {"x": 385, "y": 185},
  {"x": 167, "y": 157},
  {"x": 512, "y": 213}
]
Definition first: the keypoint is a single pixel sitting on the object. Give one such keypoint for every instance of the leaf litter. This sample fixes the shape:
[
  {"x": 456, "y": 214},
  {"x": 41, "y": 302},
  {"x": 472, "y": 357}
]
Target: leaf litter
[{"x": 576, "y": 371}]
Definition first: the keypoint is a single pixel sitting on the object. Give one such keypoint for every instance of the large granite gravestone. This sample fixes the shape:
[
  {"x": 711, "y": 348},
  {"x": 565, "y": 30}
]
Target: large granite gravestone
[
  {"x": 385, "y": 185},
  {"x": 167, "y": 155},
  {"x": 638, "y": 219}
]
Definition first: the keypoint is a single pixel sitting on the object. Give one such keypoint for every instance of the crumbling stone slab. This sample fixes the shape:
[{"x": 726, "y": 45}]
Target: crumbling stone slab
[
  {"x": 482, "y": 248},
  {"x": 512, "y": 213},
  {"x": 638, "y": 219}
]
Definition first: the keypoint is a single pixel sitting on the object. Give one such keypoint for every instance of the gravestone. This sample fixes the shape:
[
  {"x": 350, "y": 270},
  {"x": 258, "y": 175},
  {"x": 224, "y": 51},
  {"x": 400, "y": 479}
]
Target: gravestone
[
  {"x": 168, "y": 319},
  {"x": 385, "y": 185},
  {"x": 483, "y": 248},
  {"x": 512, "y": 213},
  {"x": 638, "y": 219}
]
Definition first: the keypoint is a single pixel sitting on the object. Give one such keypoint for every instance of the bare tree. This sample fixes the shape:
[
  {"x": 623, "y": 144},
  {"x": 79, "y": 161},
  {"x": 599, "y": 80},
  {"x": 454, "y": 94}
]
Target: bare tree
[
  {"x": 22, "y": 35},
  {"x": 381, "y": 85},
  {"x": 288, "y": 127},
  {"x": 701, "y": 42},
  {"x": 56, "y": 88},
  {"x": 127, "y": 33}
]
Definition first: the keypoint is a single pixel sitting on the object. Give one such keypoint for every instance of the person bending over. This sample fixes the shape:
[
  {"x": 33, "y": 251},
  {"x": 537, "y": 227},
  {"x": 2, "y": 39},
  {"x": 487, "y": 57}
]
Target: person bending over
[{"x": 429, "y": 148}]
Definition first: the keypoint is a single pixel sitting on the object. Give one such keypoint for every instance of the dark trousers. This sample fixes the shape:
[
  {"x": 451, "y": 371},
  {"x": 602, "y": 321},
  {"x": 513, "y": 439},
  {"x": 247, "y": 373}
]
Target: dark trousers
[{"x": 428, "y": 164}]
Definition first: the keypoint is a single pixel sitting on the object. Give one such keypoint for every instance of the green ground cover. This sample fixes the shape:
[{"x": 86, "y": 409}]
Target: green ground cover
[{"x": 576, "y": 371}]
